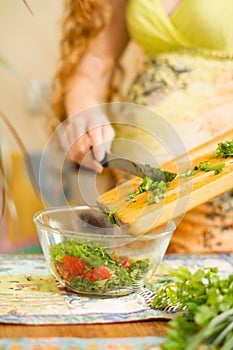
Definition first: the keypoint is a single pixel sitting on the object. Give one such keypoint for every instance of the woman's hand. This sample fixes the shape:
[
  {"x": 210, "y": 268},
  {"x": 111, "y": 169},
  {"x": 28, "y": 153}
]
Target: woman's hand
[{"x": 85, "y": 130}]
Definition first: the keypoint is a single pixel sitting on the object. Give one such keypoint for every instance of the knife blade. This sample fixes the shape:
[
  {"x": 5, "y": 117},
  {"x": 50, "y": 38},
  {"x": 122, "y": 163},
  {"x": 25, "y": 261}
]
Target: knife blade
[{"x": 141, "y": 170}]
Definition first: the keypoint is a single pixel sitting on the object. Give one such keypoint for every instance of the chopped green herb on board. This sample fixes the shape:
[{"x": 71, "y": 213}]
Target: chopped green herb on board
[
  {"x": 145, "y": 186},
  {"x": 207, "y": 322},
  {"x": 206, "y": 166},
  {"x": 224, "y": 149},
  {"x": 188, "y": 173},
  {"x": 157, "y": 190}
]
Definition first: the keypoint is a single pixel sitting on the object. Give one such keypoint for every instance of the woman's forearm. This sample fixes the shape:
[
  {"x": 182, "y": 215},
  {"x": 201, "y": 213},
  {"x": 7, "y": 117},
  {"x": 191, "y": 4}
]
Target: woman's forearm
[{"x": 90, "y": 83}]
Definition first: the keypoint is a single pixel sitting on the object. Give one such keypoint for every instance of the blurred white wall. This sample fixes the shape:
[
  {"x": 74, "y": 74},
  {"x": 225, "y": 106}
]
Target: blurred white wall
[{"x": 30, "y": 44}]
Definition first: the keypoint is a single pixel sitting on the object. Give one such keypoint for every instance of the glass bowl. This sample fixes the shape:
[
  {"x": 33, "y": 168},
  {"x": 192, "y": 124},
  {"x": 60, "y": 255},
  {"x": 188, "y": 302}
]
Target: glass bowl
[{"x": 89, "y": 255}]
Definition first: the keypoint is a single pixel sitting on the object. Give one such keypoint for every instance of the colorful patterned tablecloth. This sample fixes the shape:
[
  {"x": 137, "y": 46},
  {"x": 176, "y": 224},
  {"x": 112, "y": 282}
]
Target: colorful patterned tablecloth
[
  {"x": 30, "y": 295},
  {"x": 144, "y": 343}
]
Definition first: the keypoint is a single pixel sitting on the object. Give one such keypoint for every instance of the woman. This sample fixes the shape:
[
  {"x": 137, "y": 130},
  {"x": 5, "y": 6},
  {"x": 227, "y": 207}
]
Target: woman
[{"x": 187, "y": 78}]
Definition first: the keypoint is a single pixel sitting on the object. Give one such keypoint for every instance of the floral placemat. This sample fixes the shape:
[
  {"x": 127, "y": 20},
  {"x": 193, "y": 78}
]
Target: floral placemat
[
  {"x": 144, "y": 343},
  {"x": 30, "y": 295}
]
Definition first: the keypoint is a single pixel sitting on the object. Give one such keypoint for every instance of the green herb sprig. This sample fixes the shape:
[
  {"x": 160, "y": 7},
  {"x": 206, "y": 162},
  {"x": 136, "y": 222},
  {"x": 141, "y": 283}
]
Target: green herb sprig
[{"x": 208, "y": 321}]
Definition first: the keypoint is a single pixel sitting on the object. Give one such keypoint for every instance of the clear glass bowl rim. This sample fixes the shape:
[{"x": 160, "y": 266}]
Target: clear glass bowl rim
[{"x": 37, "y": 219}]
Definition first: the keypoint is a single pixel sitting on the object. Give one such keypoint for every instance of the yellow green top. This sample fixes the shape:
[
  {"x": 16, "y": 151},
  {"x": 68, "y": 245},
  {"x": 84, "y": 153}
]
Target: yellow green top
[{"x": 200, "y": 24}]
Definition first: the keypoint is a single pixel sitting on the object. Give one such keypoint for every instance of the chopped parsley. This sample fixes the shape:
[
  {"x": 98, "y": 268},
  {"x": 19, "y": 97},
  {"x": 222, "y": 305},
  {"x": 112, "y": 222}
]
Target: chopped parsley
[
  {"x": 224, "y": 149},
  {"x": 206, "y": 166},
  {"x": 187, "y": 173},
  {"x": 157, "y": 190},
  {"x": 145, "y": 186}
]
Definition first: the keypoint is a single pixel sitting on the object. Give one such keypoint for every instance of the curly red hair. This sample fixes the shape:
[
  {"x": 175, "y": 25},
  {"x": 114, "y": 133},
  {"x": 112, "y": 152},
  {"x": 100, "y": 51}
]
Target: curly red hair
[{"x": 83, "y": 20}]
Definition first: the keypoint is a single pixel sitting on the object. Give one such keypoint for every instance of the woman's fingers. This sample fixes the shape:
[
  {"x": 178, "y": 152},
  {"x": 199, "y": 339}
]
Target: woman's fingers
[
  {"x": 79, "y": 148},
  {"x": 78, "y": 140},
  {"x": 101, "y": 135},
  {"x": 96, "y": 138},
  {"x": 86, "y": 131},
  {"x": 80, "y": 152},
  {"x": 108, "y": 136}
]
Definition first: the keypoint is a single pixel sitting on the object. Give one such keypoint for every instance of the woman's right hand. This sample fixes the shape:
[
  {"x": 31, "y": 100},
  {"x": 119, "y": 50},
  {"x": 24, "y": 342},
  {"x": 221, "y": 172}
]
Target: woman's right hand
[{"x": 90, "y": 129}]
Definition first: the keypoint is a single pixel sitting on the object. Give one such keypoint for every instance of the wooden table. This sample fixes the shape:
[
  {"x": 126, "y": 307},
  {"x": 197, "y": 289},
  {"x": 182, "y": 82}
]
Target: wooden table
[{"x": 116, "y": 330}]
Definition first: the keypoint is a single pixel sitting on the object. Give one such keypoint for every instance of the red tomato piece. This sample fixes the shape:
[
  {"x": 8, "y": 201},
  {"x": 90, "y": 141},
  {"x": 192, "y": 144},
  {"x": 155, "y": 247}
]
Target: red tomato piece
[
  {"x": 71, "y": 268},
  {"x": 116, "y": 257},
  {"x": 126, "y": 262},
  {"x": 98, "y": 273}
]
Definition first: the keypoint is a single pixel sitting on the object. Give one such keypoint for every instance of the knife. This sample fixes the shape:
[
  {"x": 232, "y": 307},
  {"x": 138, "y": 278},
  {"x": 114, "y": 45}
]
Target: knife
[{"x": 141, "y": 170}]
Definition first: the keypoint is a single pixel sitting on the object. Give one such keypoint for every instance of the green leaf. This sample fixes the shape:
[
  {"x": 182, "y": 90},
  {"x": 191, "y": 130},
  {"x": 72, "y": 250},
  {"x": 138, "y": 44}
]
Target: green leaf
[{"x": 204, "y": 314}]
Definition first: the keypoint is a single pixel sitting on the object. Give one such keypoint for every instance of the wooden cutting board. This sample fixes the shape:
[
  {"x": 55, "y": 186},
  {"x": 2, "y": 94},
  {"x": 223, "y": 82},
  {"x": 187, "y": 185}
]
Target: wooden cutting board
[{"x": 183, "y": 194}]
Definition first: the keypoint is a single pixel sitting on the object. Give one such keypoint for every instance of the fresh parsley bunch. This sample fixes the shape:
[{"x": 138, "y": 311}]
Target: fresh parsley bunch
[{"x": 208, "y": 299}]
